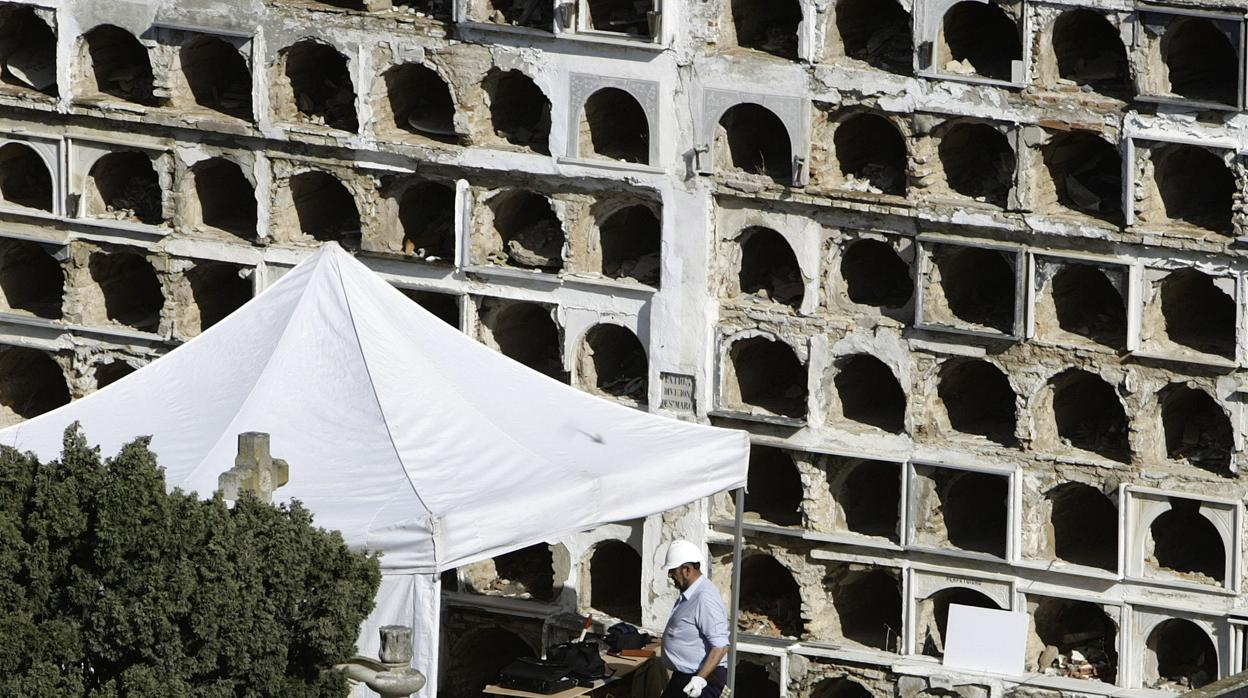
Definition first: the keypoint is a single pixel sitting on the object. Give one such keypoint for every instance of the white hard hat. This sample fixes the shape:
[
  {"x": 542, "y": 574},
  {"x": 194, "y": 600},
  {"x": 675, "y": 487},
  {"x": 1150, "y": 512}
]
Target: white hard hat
[{"x": 680, "y": 552}]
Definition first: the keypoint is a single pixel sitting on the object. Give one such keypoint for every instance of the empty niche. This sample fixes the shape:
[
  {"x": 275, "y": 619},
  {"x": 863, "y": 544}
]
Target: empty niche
[
  {"x": 770, "y": 26},
  {"x": 614, "y": 126},
  {"x": 615, "y": 580},
  {"x": 1193, "y": 186},
  {"x": 613, "y": 362},
  {"x": 325, "y": 208},
  {"x": 978, "y": 399},
  {"x": 868, "y": 605},
  {"x": 319, "y": 80},
  {"x": 1088, "y": 415},
  {"x": 527, "y": 333},
  {"x": 31, "y": 383},
  {"x": 877, "y": 32},
  {"x": 131, "y": 291},
  {"x": 1201, "y": 61},
  {"x": 443, "y": 306},
  {"x": 1197, "y": 429},
  {"x": 840, "y": 687},
  {"x": 227, "y": 199},
  {"x": 868, "y": 496},
  {"x": 769, "y": 269},
  {"x": 933, "y": 616},
  {"x": 978, "y": 162},
  {"x": 629, "y": 238},
  {"x": 1075, "y": 639},
  {"x": 427, "y": 215},
  {"x": 630, "y": 17},
  {"x": 519, "y": 110},
  {"x": 529, "y": 231},
  {"x": 1084, "y": 174},
  {"x": 962, "y": 509},
  {"x": 534, "y": 14},
  {"x": 24, "y": 177},
  {"x": 979, "y": 38},
  {"x": 771, "y": 602},
  {"x": 868, "y": 393},
  {"x": 1185, "y": 544},
  {"x": 871, "y": 153},
  {"x": 1084, "y": 524},
  {"x": 1196, "y": 314},
  {"x": 1090, "y": 54},
  {"x": 876, "y": 275},
  {"x": 755, "y": 681},
  {"x": 1178, "y": 656},
  {"x": 419, "y": 102},
  {"x": 31, "y": 281},
  {"x": 108, "y": 373},
  {"x": 765, "y": 374},
  {"x": 120, "y": 64},
  {"x": 476, "y": 660},
  {"x": 972, "y": 288},
  {"x": 751, "y": 139},
  {"x": 217, "y": 75},
  {"x": 218, "y": 290},
  {"x": 527, "y": 573},
  {"x": 436, "y": 9},
  {"x": 774, "y": 489},
  {"x": 1086, "y": 304},
  {"x": 27, "y": 50},
  {"x": 125, "y": 186}
]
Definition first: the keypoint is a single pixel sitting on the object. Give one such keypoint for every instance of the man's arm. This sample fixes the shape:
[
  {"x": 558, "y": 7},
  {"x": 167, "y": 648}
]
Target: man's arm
[{"x": 713, "y": 658}]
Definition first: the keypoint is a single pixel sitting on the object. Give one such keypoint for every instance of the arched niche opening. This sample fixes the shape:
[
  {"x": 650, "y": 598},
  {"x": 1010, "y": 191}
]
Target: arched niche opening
[
  {"x": 218, "y": 289},
  {"x": 27, "y": 50},
  {"x": 613, "y": 362},
  {"x": 975, "y": 508},
  {"x": 755, "y": 681},
  {"x": 1201, "y": 62},
  {"x": 977, "y": 286},
  {"x": 619, "y": 16},
  {"x": 869, "y": 393},
  {"x": 978, "y": 161},
  {"x": 530, "y": 231},
  {"x": 868, "y": 493},
  {"x": 320, "y": 84},
  {"x": 1186, "y": 544},
  {"x": 443, "y": 306},
  {"x": 1195, "y": 187},
  {"x": 527, "y": 333},
  {"x": 1197, "y": 314},
  {"x": 614, "y": 126},
  {"x": 420, "y": 103},
  {"x": 871, "y": 153},
  {"x": 227, "y": 199},
  {"x": 108, "y": 373},
  {"x": 868, "y": 605},
  {"x": 325, "y": 208},
  {"x": 476, "y": 660},
  {"x": 527, "y": 573},
  {"x": 876, "y": 275},
  {"x": 766, "y": 374},
  {"x": 1179, "y": 655},
  {"x": 769, "y": 268},
  {"x": 1085, "y": 526},
  {"x": 630, "y": 239},
  {"x": 31, "y": 280},
  {"x": 534, "y": 14},
  {"x": 24, "y": 177},
  {"x": 1088, "y": 304},
  {"x": 120, "y": 64},
  {"x": 978, "y": 399},
  {"x": 1089, "y": 415},
  {"x": 933, "y": 614},
  {"x": 218, "y": 77},
  {"x": 840, "y": 687},
  {"x": 753, "y": 140},
  {"x": 1085, "y": 173},
  {"x": 774, "y": 489},
  {"x": 31, "y": 383},
  {"x": 980, "y": 39},
  {"x": 519, "y": 110},
  {"x": 876, "y": 32},
  {"x": 1090, "y": 53},
  {"x": 1075, "y": 639},
  {"x": 427, "y": 216},
  {"x": 124, "y": 185},
  {"x": 770, "y": 26},
  {"x": 615, "y": 580},
  {"x": 131, "y": 290},
  {"x": 771, "y": 602},
  {"x": 1196, "y": 428}
]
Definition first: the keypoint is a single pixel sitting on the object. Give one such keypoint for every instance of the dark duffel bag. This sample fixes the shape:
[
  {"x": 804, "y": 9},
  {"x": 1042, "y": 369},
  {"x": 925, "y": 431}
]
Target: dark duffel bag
[
  {"x": 623, "y": 636},
  {"x": 536, "y": 676},
  {"x": 583, "y": 660}
]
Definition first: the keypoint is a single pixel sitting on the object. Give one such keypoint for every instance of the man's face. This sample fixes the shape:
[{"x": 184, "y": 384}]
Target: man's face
[{"x": 681, "y": 576}]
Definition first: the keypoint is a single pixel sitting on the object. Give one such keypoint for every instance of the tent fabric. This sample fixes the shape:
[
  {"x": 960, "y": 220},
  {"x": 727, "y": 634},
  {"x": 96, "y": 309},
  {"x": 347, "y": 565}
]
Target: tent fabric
[{"x": 409, "y": 437}]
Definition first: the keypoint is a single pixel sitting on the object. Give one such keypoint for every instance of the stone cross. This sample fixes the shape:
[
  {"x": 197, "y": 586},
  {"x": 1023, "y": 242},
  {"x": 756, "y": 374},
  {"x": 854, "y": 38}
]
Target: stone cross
[{"x": 255, "y": 470}]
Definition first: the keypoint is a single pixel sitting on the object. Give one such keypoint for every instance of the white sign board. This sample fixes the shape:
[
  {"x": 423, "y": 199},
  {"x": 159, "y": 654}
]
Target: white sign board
[{"x": 986, "y": 639}]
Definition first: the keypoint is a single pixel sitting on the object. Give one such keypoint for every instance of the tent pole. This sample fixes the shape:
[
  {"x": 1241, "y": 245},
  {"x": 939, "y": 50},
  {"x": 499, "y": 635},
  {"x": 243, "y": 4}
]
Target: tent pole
[{"x": 737, "y": 535}]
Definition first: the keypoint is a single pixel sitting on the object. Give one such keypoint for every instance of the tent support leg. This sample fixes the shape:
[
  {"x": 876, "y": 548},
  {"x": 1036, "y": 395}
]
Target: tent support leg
[{"x": 737, "y": 535}]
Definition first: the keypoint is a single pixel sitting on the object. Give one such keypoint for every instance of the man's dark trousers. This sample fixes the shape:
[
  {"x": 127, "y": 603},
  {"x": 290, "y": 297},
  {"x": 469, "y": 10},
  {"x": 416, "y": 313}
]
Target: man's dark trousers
[{"x": 714, "y": 686}]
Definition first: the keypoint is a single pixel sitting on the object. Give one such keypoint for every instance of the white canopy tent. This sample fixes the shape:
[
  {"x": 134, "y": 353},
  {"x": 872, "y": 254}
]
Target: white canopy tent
[{"x": 409, "y": 437}]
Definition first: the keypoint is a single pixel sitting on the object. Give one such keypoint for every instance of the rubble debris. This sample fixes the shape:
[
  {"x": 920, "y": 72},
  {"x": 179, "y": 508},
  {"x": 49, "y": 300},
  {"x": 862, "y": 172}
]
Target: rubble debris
[
  {"x": 613, "y": 362},
  {"x": 771, "y": 603},
  {"x": 128, "y": 187},
  {"x": 872, "y": 154},
  {"x": 120, "y": 64},
  {"x": 321, "y": 85},
  {"x": 980, "y": 38},
  {"x": 877, "y": 32}
]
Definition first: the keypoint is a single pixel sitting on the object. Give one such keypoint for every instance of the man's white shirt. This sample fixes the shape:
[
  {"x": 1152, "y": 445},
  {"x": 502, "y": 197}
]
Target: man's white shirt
[{"x": 697, "y": 624}]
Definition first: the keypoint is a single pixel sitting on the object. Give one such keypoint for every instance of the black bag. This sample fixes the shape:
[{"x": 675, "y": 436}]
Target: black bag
[
  {"x": 536, "y": 676},
  {"x": 623, "y": 636},
  {"x": 582, "y": 659}
]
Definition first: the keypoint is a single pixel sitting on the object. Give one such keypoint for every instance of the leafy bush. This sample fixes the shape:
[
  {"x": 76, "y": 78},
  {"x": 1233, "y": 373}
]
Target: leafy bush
[{"x": 109, "y": 586}]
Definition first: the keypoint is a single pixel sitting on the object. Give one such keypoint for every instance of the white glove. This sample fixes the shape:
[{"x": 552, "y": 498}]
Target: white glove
[{"x": 693, "y": 689}]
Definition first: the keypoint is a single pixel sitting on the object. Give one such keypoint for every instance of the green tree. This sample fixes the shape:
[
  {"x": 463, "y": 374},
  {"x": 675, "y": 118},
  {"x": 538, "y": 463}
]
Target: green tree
[{"x": 110, "y": 586}]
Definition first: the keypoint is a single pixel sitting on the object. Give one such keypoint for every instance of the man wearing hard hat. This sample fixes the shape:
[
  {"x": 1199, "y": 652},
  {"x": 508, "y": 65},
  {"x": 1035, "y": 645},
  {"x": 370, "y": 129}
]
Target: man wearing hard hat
[{"x": 695, "y": 642}]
